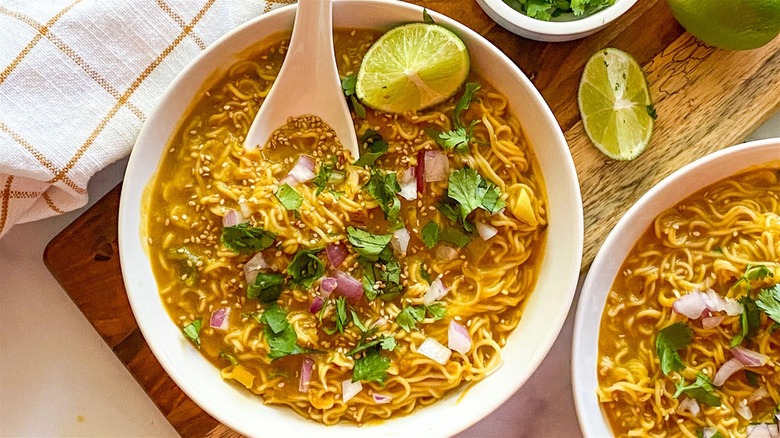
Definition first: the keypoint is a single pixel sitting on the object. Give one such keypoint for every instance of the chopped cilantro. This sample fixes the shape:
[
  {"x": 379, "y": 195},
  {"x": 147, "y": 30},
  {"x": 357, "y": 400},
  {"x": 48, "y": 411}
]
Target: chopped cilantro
[
  {"x": 409, "y": 316},
  {"x": 366, "y": 244},
  {"x": 769, "y": 302},
  {"x": 383, "y": 186},
  {"x": 371, "y": 367},
  {"x": 547, "y": 9},
  {"x": 192, "y": 331},
  {"x": 289, "y": 198},
  {"x": 424, "y": 273},
  {"x": 464, "y": 102},
  {"x": 385, "y": 270},
  {"x": 188, "y": 265},
  {"x": 450, "y": 209},
  {"x": 267, "y": 287},
  {"x": 471, "y": 191},
  {"x": 357, "y": 322},
  {"x": 454, "y": 236},
  {"x": 385, "y": 342},
  {"x": 244, "y": 238},
  {"x": 750, "y": 320},
  {"x": 701, "y": 390},
  {"x": 328, "y": 175},
  {"x": 306, "y": 267},
  {"x": 275, "y": 317},
  {"x": 375, "y": 146},
  {"x": 430, "y": 234},
  {"x": 753, "y": 273},
  {"x": 280, "y": 334},
  {"x": 437, "y": 310},
  {"x": 341, "y": 313},
  {"x": 752, "y": 378},
  {"x": 670, "y": 339},
  {"x": 229, "y": 357},
  {"x": 348, "y": 87}
]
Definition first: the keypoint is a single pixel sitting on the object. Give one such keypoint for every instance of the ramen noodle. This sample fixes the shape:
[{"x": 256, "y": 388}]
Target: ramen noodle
[
  {"x": 347, "y": 290},
  {"x": 689, "y": 342}
]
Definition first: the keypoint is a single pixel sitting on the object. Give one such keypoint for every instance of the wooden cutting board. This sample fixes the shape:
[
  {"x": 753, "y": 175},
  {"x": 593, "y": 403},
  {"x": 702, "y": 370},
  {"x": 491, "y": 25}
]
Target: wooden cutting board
[{"x": 706, "y": 99}]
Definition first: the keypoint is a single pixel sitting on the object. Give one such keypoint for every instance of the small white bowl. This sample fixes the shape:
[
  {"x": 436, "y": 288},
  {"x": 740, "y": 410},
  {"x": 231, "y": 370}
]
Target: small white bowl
[
  {"x": 667, "y": 193},
  {"x": 565, "y": 27},
  {"x": 545, "y": 310}
]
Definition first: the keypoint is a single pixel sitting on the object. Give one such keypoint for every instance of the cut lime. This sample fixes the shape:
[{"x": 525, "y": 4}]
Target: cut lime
[
  {"x": 615, "y": 104},
  {"x": 412, "y": 67}
]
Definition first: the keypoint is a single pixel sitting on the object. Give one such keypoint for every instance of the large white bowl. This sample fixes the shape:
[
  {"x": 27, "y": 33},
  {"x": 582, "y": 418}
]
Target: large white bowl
[
  {"x": 526, "y": 347},
  {"x": 669, "y": 192},
  {"x": 566, "y": 27}
]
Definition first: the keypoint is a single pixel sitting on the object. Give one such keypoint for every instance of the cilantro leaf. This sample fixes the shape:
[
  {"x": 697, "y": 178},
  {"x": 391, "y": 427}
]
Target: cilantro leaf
[
  {"x": 327, "y": 175},
  {"x": 372, "y": 367},
  {"x": 348, "y": 87},
  {"x": 437, "y": 310},
  {"x": 701, "y": 390},
  {"x": 306, "y": 267},
  {"x": 769, "y": 302},
  {"x": 375, "y": 147},
  {"x": 750, "y": 320},
  {"x": 753, "y": 273},
  {"x": 464, "y": 102},
  {"x": 283, "y": 343},
  {"x": 388, "y": 343},
  {"x": 471, "y": 191},
  {"x": 289, "y": 198},
  {"x": 229, "y": 357},
  {"x": 341, "y": 313},
  {"x": 366, "y": 244},
  {"x": 385, "y": 270},
  {"x": 383, "y": 186},
  {"x": 454, "y": 236},
  {"x": 385, "y": 343},
  {"x": 244, "y": 238},
  {"x": 192, "y": 331},
  {"x": 430, "y": 234},
  {"x": 409, "y": 316},
  {"x": 275, "y": 317},
  {"x": 539, "y": 9},
  {"x": 267, "y": 287},
  {"x": 670, "y": 339},
  {"x": 357, "y": 322}
]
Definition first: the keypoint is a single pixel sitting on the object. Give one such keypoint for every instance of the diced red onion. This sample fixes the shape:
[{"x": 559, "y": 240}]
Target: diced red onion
[
  {"x": 485, "y": 231},
  {"x": 220, "y": 318},
  {"x": 458, "y": 338},
  {"x": 245, "y": 210},
  {"x": 336, "y": 254},
  {"x": 733, "y": 307},
  {"x": 328, "y": 285},
  {"x": 437, "y": 166},
  {"x": 712, "y": 321},
  {"x": 408, "y": 183},
  {"x": 255, "y": 264},
  {"x": 446, "y": 253},
  {"x": 691, "y": 305},
  {"x": 432, "y": 349},
  {"x": 690, "y": 405},
  {"x": 381, "y": 399},
  {"x": 349, "y": 287},
  {"x": 400, "y": 240},
  {"x": 708, "y": 432},
  {"x": 306, "y": 369},
  {"x": 716, "y": 303},
  {"x": 232, "y": 218},
  {"x": 436, "y": 291},
  {"x": 302, "y": 171},
  {"x": 749, "y": 358},
  {"x": 316, "y": 304},
  {"x": 743, "y": 410},
  {"x": 763, "y": 430},
  {"x": 759, "y": 394},
  {"x": 379, "y": 322},
  {"x": 726, "y": 370},
  {"x": 420, "y": 172},
  {"x": 350, "y": 389}
]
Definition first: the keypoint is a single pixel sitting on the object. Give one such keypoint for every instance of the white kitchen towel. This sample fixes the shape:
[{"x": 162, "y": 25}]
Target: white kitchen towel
[{"x": 77, "y": 80}]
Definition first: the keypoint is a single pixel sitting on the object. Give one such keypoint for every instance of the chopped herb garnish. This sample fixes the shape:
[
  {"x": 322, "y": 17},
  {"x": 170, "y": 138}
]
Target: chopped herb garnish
[
  {"x": 357, "y": 322},
  {"x": 289, "y": 198},
  {"x": 348, "y": 87},
  {"x": 328, "y": 175},
  {"x": 371, "y": 367},
  {"x": 385, "y": 343},
  {"x": 306, "y": 268},
  {"x": 267, "y": 287},
  {"x": 244, "y": 238},
  {"x": 341, "y": 313},
  {"x": 430, "y": 234},
  {"x": 701, "y": 390},
  {"x": 464, "y": 102},
  {"x": 750, "y": 320},
  {"x": 275, "y": 317},
  {"x": 424, "y": 273},
  {"x": 383, "y": 186},
  {"x": 670, "y": 339},
  {"x": 192, "y": 331},
  {"x": 437, "y": 310},
  {"x": 366, "y": 244},
  {"x": 375, "y": 146},
  {"x": 753, "y": 273},
  {"x": 385, "y": 270},
  {"x": 188, "y": 265},
  {"x": 409, "y": 316},
  {"x": 280, "y": 335},
  {"x": 229, "y": 357},
  {"x": 471, "y": 191},
  {"x": 769, "y": 302},
  {"x": 752, "y": 378}
]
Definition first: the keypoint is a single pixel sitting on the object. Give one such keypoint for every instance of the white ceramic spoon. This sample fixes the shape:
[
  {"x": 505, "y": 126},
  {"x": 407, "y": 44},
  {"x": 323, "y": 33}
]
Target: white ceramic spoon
[{"x": 308, "y": 82}]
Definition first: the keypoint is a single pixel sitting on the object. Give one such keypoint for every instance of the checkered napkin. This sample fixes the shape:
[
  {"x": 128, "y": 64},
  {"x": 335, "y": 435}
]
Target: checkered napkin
[{"x": 77, "y": 80}]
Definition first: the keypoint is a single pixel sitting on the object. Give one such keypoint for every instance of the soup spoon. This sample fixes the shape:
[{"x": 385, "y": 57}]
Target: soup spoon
[{"x": 308, "y": 82}]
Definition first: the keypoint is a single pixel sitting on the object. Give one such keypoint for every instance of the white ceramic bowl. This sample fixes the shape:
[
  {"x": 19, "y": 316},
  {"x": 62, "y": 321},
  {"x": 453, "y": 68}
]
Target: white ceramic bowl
[
  {"x": 544, "y": 313},
  {"x": 566, "y": 27},
  {"x": 669, "y": 192}
]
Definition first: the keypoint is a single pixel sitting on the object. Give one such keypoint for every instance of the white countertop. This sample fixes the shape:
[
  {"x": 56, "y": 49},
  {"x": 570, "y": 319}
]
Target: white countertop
[{"x": 58, "y": 377}]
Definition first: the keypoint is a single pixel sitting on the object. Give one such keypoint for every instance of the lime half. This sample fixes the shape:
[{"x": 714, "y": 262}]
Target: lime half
[
  {"x": 412, "y": 67},
  {"x": 615, "y": 104}
]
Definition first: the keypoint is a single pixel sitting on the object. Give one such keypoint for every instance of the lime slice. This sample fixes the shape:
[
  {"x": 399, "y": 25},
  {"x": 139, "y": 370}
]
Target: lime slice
[
  {"x": 615, "y": 104},
  {"x": 412, "y": 67}
]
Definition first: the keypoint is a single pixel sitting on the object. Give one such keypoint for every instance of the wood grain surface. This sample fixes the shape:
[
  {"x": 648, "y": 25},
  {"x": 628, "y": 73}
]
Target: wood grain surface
[{"x": 706, "y": 99}]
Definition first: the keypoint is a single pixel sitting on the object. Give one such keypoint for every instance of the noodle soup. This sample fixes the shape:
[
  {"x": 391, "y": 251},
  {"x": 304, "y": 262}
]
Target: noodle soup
[
  {"x": 688, "y": 344},
  {"x": 348, "y": 291}
]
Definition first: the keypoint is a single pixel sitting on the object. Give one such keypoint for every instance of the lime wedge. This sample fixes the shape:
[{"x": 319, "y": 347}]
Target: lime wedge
[
  {"x": 412, "y": 67},
  {"x": 615, "y": 104}
]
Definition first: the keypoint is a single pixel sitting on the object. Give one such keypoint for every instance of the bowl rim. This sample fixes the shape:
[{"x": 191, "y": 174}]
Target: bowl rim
[
  {"x": 129, "y": 237},
  {"x": 559, "y": 28},
  {"x": 668, "y": 192}
]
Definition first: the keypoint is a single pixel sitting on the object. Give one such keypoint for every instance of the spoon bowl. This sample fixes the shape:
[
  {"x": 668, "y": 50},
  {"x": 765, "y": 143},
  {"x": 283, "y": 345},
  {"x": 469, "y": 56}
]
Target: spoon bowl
[{"x": 308, "y": 82}]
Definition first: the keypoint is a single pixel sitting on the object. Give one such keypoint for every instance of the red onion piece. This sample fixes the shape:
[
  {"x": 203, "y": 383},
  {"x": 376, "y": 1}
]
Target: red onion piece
[
  {"x": 715, "y": 302},
  {"x": 381, "y": 399},
  {"x": 302, "y": 171},
  {"x": 232, "y": 218},
  {"x": 379, "y": 322},
  {"x": 436, "y": 291},
  {"x": 432, "y": 349},
  {"x": 349, "y": 287},
  {"x": 726, "y": 370},
  {"x": 485, "y": 231},
  {"x": 759, "y": 394},
  {"x": 408, "y": 183},
  {"x": 691, "y": 305},
  {"x": 316, "y": 304},
  {"x": 749, "y": 358},
  {"x": 306, "y": 368},
  {"x": 350, "y": 389},
  {"x": 437, "y": 166},
  {"x": 690, "y": 405},
  {"x": 420, "y": 172},
  {"x": 446, "y": 253},
  {"x": 336, "y": 254},
  {"x": 328, "y": 285},
  {"x": 712, "y": 321},
  {"x": 400, "y": 240},
  {"x": 255, "y": 264},
  {"x": 743, "y": 410},
  {"x": 764, "y": 430},
  {"x": 458, "y": 338},
  {"x": 733, "y": 307},
  {"x": 220, "y": 318}
]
